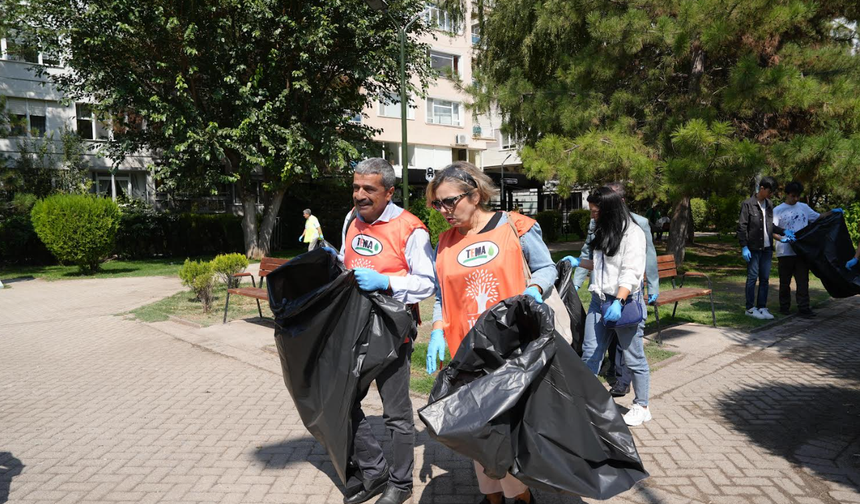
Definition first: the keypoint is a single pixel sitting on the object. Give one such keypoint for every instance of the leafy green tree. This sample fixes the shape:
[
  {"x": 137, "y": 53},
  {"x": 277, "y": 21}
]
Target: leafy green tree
[
  {"x": 258, "y": 94},
  {"x": 682, "y": 99}
]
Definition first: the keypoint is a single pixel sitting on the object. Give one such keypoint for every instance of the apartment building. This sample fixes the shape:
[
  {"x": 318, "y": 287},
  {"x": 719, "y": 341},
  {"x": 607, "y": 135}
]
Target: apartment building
[{"x": 39, "y": 114}]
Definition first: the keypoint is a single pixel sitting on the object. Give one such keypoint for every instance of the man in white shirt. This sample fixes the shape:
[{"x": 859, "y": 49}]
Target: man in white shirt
[{"x": 794, "y": 215}]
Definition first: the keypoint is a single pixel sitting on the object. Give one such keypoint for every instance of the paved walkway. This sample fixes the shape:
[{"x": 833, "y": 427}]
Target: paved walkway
[{"x": 95, "y": 407}]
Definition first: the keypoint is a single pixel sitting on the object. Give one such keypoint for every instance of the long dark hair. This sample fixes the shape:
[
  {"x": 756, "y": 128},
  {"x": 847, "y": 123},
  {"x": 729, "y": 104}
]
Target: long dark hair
[{"x": 612, "y": 221}]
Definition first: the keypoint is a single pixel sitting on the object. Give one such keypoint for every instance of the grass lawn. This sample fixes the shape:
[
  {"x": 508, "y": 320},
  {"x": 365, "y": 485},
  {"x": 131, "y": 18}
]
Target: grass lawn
[
  {"x": 722, "y": 262},
  {"x": 185, "y": 305}
]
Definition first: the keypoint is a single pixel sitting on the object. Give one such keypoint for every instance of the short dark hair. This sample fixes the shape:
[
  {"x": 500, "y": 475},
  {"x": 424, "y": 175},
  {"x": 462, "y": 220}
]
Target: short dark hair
[
  {"x": 794, "y": 187},
  {"x": 768, "y": 183}
]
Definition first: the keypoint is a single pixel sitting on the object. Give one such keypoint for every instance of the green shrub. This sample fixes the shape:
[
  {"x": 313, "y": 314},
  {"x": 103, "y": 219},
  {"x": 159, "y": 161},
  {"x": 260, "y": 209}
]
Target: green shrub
[
  {"x": 418, "y": 207},
  {"x": 437, "y": 226},
  {"x": 700, "y": 213},
  {"x": 22, "y": 203},
  {"x": 724, "y": 211},
  {"x": 550, "y": 224},
  {"x": 200, "y": 277},
  {"x": 578, "y": 221},
  {"x": 227, "y": 265},
  {"x": 144, "y": 232},
  {"x": 77, "y": 229}
]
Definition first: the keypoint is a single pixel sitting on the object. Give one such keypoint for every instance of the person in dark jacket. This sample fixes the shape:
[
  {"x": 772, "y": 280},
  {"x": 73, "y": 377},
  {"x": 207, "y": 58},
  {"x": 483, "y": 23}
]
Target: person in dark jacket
[{"x": 756, "y": 234}]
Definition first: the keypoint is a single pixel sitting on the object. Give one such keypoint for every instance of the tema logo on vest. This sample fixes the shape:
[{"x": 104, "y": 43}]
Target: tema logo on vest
[
  {"x": 478, "y": 254},
  {"x": 366, "y": 245}
]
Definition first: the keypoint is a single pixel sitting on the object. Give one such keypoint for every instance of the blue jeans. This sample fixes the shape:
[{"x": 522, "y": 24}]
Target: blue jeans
[
  {"x": 758, "y": 268},
  {"x": 598, "y": 337}
]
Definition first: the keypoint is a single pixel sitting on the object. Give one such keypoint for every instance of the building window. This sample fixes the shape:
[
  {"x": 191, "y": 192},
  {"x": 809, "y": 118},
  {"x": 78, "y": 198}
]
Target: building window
[
  {"x": 391, "y": 153},
  {"x": 26, "y": 117},
  {"x": 438, "y": 19},
  {"x": 476, "y": 34},
  {"x": 507, "y": 141},
  {"x": 447, "y": 65},
  {"x": 89, "y": 126},
  {"x": 443, "y": 112},
  {"x": 389, "y": 106},
  {"x": 17, "y": 50}
]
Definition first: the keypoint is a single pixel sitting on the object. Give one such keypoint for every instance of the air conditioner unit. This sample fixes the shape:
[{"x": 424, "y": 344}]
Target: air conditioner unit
[{"x": 461, "y": 140}]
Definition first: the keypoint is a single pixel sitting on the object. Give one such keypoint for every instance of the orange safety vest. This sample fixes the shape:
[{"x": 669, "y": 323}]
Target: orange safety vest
[
  {"x": 380, "y": 246},
  {"x": 477, "y": 271}
]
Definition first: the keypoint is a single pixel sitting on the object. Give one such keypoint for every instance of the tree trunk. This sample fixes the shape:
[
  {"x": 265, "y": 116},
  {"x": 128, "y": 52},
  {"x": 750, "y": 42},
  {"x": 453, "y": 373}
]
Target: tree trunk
[
  {"x": 679, "y": 229},
  {"x": 270, "y": 216},
  {"x": 249, "y": 225}
]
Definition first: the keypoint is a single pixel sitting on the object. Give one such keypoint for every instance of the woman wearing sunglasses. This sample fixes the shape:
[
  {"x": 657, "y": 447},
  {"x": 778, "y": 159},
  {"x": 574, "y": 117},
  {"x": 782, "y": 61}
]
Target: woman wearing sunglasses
[
  {"x": 479, "y": 262},
  {"x": 619, "y": 268}
]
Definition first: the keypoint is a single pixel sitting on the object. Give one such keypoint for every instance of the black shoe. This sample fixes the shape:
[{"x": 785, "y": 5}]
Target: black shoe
[
  {"x": 807, "y": 314},
  {"x": 394, "y": 495},
  {"x": 369, "y": 491},
  {"x": 618, "y": 391}
]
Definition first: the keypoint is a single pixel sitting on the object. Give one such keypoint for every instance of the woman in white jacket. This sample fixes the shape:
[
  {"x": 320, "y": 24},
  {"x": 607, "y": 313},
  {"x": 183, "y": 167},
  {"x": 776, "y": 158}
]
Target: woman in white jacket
[{"x": 619, "y": 268}]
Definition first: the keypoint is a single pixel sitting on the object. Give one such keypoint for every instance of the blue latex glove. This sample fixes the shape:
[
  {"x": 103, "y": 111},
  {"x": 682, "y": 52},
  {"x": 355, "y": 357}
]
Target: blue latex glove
[
  {"x": 652, "y": 298},
  {"x": 850, "y": 264},
  {"x": 838, "y": 210},
  {"x": 786, "y": 239},
  {"x": 370, "y": 280},
  {"x": 790, "y": 235},
  {"x": 572, "y": 260},
  {"x": 576, "y": 287},
  {"x": 301, "y": 238},
  {"x": 331, "y": 251},
  {"x": 535, "y": 293},
  {"x": 613, "y": 313},
  {"x": 435, "y": 349},
  {"x": 747, "y": 254}
]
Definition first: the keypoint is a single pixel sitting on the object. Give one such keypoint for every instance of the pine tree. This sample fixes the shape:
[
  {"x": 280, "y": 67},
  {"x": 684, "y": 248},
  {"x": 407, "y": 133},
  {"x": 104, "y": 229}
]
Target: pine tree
[{"x": 683, "y": 99}]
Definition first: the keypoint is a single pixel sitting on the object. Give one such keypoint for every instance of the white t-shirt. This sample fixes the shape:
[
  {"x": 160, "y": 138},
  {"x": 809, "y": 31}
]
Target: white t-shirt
[
  {"x": 794, "y": 217},
  {"x": 763, "y": 207}
]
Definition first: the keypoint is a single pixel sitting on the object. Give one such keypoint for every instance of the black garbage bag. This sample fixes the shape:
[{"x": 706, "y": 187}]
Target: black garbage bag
[
  {"x": 517, "y": 398},
  {"x": 333, "y": 340},
  {"x": 565, "y": 288},
  {"x": 826, "y": 246}
]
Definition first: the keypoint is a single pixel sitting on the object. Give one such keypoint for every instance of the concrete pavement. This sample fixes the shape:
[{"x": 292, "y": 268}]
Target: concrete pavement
[{"x": 95, "y": 407}]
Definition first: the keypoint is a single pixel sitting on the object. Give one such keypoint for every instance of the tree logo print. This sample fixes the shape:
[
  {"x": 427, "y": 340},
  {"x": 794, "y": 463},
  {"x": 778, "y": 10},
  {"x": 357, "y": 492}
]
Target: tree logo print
[
  {"x": 366, "y": 245},
  {"x": 483, "y": 287},
  {"x": 478, "y": 254},
  {"x": 361, "y": 263}
]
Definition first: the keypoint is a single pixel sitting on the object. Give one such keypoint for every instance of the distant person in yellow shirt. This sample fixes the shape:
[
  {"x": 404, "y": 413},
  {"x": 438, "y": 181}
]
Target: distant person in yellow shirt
[{"x": 312, "y": 231}]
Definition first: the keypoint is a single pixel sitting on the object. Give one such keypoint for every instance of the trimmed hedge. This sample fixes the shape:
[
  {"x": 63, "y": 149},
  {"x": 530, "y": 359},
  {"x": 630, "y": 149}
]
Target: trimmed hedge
[
  {"x": 550, "y": 224},
  {"x": 578, "y": 221},
  {"x": 146, "y": 233},
  {"x": 77, "y": 229}
]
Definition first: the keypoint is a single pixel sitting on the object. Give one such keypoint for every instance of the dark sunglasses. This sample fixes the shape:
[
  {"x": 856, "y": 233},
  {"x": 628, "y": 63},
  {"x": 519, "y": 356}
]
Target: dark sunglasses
[{"x": 448, "y": 203}]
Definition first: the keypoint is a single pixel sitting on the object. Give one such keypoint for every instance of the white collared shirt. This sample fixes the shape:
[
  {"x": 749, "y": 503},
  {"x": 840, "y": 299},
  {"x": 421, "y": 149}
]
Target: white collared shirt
[{"x": 418, "y": 284}]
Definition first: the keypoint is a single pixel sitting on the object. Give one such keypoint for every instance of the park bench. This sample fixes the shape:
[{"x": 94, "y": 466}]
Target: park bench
[
  {"x": 666, "y": 269},
  {"x": 267, "y": 265}
]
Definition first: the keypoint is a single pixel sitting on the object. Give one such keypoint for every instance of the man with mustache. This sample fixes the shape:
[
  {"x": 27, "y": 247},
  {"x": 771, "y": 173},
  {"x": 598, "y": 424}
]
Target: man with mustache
[{"x": 389, "y": 250}]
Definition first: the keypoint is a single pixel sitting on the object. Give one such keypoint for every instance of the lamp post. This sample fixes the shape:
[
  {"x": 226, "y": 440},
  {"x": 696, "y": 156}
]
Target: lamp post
[
  {"x": 382, "y": 6},
  {"x": 502, "y": 180}
]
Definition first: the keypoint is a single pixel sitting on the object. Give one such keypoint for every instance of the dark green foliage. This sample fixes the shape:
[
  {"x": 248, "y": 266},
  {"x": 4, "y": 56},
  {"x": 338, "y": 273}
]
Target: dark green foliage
[
  {"x": 724, "y": 212},
  {"x": 681, "y": 99},
  {"x": 578, "y": 221},
  {"x": 77, "y": 229},
  {"x": 233, "y": 91},
  {"x": 550, "y": 224},
  {"x": 852, "y": 220},
  {"x": 145, "y": 233},
  {"x": 437, "y": 225},
  {"x": 699, "y": 208}
]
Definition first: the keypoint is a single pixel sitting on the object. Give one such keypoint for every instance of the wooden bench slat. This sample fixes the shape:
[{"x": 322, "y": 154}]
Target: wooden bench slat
[
  {"x": 254, "y": 292},
  {"x": 666, "y": 259},
  {"x": 668, "y": 273},
  {"x": 680, "y": 294}
]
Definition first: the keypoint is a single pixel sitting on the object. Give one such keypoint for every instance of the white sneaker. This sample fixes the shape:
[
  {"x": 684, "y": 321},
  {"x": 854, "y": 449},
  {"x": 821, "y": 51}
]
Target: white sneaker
[
  {"x": 764, "y": 314},
  {"x": 637, "y": 415},
  {"x": 753, "y": 312}
]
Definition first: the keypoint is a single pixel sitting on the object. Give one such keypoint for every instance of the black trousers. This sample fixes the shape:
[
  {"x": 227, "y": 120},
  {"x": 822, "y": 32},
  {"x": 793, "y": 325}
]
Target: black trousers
[
  {"x": 793, "y": 266},
  {"x": 367, "y": 457}
]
